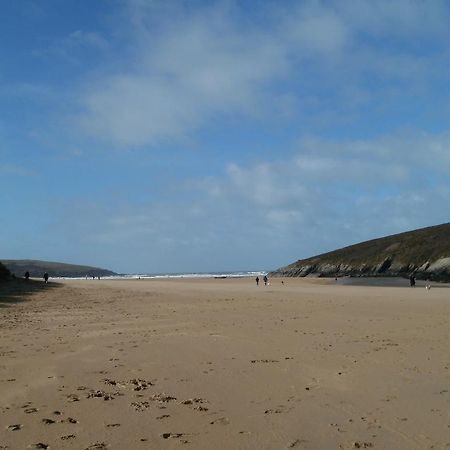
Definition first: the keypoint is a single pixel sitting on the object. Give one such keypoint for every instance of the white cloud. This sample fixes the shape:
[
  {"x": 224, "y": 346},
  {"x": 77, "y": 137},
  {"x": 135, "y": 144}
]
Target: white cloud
[
  {"x": 138, "y": 110},
  {"x": 315, "y": 30},
  {"x": 263, "y": 215},
  {"x": 391, "y": 155},
  {"x": 195, "y": 67},
  {"x": 400, "y": 19},
  {"x": 189, "y": 65}
]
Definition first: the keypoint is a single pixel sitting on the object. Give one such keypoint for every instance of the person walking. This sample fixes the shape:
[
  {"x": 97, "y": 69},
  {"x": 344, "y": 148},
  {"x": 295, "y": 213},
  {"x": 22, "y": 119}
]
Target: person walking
[
  {"x": 265, "y": 280},
  {"x": 46, "y": 277},
  {"x": 257, "y": 281}
]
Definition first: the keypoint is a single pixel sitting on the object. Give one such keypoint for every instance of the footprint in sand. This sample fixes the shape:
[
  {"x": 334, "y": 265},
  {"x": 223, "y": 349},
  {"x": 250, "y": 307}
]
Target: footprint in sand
[
  {"x": 97, "y": 446},
  {"x": 48, "y": 421},
  {"x": 113, "y": 425},
  {"x": 140, "y": 406},
  {"x": 254, "y": 361},
  {"x": 102, "y": 394},
  {"x": 15, "y": 427},
  {"x": 358, "y": 444},
  {"x": 192, "y": 401},
  {"x": 41, "y": 445},
  {"x": 67, "y": 437},
  {"x": 172, "y": 435},
  {"x": 279, "y": 410},
  {"x": 220, "y": 421},
  {"x": 162, "y": 398},
  {"x": 201, "y": 408},
  {"x": 196, "y": 401},
  {"x": 297, "y": 443},
  {"x": 139, "y": 384}
]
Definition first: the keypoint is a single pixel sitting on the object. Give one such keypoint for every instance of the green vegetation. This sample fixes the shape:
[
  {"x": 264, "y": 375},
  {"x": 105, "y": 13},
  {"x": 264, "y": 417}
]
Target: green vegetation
[{"x": 424, "y": 252}]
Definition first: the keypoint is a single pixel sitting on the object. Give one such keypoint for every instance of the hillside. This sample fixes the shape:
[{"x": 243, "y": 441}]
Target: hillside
[
  {"x": 424, "y": 252},
  {"x": 54, "y": 269},
  {"x": 4, "y": 272}
]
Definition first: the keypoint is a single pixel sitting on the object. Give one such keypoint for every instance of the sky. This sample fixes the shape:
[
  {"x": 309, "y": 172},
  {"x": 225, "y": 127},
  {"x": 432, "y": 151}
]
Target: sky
[{"x": 185, "y": 136}]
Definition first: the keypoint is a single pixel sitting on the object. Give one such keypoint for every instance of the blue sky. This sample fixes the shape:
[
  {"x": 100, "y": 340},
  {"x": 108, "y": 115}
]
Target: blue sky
[{"x": 148, "y": 136}]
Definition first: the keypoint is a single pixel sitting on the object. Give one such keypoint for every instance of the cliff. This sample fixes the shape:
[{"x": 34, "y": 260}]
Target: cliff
[{"x": 424, "y": 252}]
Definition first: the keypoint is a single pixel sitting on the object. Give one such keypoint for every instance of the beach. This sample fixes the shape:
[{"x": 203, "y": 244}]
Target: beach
[{"x": 224, "y": 364}]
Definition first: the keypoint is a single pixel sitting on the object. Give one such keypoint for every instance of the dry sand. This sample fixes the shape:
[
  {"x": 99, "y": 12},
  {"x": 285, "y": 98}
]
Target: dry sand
[{"x": 223, "y": 364}]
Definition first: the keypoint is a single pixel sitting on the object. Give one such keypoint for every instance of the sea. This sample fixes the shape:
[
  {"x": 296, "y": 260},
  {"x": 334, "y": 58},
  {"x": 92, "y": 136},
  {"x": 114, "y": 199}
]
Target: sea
[{"x": 143, "y": 276}]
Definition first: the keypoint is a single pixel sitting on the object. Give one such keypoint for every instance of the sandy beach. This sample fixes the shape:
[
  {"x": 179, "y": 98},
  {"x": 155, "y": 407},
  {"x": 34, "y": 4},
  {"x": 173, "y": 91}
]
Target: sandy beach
[{"x": 224, "y": 364}]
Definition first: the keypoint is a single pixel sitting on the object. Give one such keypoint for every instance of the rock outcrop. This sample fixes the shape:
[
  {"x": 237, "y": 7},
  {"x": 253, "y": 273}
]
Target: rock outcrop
[{"x": 424, "y": 253}]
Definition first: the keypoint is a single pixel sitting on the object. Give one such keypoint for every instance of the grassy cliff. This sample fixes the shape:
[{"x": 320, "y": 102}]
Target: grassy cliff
[{"x": 424, "y": 252}]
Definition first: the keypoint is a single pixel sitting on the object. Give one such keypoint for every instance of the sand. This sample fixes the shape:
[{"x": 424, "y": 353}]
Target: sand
[{"x": 223, "y": 364}]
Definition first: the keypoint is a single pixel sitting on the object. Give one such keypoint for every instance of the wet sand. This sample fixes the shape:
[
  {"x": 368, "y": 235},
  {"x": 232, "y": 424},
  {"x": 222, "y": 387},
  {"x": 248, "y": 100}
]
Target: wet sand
[
  {"x": 223, "y": 364},
  {"x": 388, "y": 282}
]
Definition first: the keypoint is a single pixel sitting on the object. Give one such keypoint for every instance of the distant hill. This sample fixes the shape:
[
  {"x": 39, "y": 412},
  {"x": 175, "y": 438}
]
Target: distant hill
[
  {"x": 424, "y": 252},
  {"x": 18, "y": 267}
]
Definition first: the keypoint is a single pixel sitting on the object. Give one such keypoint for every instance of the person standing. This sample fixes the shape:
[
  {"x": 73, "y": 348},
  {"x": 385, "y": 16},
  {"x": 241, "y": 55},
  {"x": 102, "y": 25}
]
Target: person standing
[
  {"x": 265, "y": 280},
  {"x": 257, "y": 281},
  {"x": 46, "y": 277}
]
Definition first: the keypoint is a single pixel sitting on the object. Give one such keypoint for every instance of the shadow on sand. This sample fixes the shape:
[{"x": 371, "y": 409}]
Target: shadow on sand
[{"x": 19, "y": 290}]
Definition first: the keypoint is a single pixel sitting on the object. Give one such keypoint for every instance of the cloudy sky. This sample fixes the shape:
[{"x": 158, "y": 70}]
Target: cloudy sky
[{"x": 148, "y": 136}]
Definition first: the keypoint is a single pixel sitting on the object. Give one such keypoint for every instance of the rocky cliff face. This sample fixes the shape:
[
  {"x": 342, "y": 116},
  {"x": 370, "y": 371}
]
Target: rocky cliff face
[
  {"x": 438, "y": 270},
  {"x": 424, "y": 253}
]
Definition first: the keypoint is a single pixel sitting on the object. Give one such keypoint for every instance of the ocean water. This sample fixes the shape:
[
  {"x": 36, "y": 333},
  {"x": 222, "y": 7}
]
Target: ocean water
[{"x": 143, "y": 276}]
